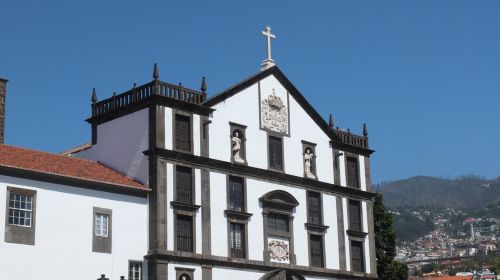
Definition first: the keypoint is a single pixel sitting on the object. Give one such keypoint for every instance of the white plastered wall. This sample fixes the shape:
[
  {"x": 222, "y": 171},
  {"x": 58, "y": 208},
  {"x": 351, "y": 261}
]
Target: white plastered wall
[
  {"x": 64, "y": 229},
  {"x": 121, "y": 143},
  {"x": 243, "y": 108}
]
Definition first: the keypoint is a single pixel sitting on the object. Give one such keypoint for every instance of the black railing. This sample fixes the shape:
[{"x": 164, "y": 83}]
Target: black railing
[
  {"x": 352, "y": 139},
  {"x": 145, "y": 91}
]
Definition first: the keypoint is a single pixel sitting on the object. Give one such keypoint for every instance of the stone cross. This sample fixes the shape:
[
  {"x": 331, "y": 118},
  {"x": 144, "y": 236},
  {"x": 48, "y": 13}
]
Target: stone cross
[{"x": 268, "y": 62}]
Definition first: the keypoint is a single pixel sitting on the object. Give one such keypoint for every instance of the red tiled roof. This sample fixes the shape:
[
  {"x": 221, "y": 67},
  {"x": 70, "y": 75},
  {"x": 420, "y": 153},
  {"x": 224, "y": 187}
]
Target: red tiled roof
[{"x": 65, "y": 166}]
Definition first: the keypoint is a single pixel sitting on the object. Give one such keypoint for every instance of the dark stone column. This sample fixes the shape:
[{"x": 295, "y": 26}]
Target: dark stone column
[
  {"x": 157, "y": 269},
  {"x": 341, "y": 234},
  {"x": 206, "y": 272}
]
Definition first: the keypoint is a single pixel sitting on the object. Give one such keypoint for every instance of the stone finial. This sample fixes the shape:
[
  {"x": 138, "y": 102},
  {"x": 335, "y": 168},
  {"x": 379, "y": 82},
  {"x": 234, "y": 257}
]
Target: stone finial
[
  {"x": 365, "y": 130},
  {"x": 156, "y": 74},
  {"x": 94, "y": 96},
  {"x": 203, "y": 85},
  {"x": 122, "y": 277},
  {"x": 103, "y": 277},
  {"x": 330, "y": 121}
]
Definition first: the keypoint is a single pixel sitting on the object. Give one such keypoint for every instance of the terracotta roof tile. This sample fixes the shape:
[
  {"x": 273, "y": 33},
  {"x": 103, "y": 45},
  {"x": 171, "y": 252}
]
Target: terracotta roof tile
[{"x": 65, "y": 166}]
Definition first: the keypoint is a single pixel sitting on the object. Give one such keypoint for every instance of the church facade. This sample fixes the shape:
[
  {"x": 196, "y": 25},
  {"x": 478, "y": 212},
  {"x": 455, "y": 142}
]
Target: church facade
[{"x": 251, "y": 183}]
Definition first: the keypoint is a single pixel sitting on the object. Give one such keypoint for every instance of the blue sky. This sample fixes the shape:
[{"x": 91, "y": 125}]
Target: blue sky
[{"x": 424, "y": 75}]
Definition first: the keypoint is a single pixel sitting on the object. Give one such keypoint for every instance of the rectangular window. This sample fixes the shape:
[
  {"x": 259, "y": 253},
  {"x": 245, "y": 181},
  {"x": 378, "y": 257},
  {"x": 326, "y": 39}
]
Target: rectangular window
[
  {"x": 134, "y": 270},
  {"x": 101, "y": 225},
  {"x": 184, "y": 184},
  {"x": 20, "y": 209},
  {"x": 352, "y": 172},
  {"x": 237, "y": 240},
  {"x": 314, "y": 215},
  {"x": 184, "y": 235},
  {"x": 316, "y": 243},
  {"x": 357, "y": 261},
  {"x": 355, "y": 215},
  {"x": 236, "y": 194},
  {"x": 278, "y": 223},
  {"x": 182, "y": 133},
  {"x": 275, "y": 153}
]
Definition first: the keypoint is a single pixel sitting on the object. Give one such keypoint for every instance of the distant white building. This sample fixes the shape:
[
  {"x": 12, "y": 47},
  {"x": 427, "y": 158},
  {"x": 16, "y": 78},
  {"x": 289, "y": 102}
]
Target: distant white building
[{"x": 248, "y": 184}]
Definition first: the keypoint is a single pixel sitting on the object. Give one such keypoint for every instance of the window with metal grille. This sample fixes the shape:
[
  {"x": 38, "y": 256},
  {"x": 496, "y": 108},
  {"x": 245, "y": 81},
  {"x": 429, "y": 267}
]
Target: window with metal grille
[
  {"x": 355, "y": 215},
  {"x": 20, "y": 209},
  {"x": 237, "y": 240},
  {"x": 184, "y": 184},
  {"x": 184, "y": 235},
  {"x": 236, "y": 194},
  {"x": 275, "y": 153},
  {"x": 182, "y": 133},
  {"x": 316, "y": 243},
  {"x": 278, "y": 223},
  {"x": 314, "y": 215},
  {"x": 101, "y": 225},
  {"x": 357, "y": 261},
  {"x": 134, "y": 270},
  {"x": 352, "y": 172}
]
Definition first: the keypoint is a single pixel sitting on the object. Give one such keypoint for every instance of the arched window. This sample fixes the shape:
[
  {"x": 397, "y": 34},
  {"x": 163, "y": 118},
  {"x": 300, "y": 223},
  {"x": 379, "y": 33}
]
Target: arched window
[{"x": 277, "y": 210}]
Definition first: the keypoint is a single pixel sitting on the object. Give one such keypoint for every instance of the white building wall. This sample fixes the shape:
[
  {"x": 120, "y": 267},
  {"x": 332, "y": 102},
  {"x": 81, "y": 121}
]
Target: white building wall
[
  {"x": 218, "y": 203},
  {"x": 331, "y": 236},
  {"x": 121, "y": 143},
  {"x": 243, "y": 108},
  {"x": 362, "y": 177},
  {"x": 367, "y": 240},
  {"x": 224, "y": 273},
  {"x": 197, "y": 199},
  {"x": 168, "y": 129},
  {"x": 346, "y": 237},
  {"x": 170, "y": 212},
  {"x": 64, "y": 230}
]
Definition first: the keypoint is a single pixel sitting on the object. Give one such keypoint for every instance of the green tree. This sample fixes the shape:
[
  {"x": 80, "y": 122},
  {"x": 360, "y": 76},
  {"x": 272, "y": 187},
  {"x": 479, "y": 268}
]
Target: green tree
[{"x": 385, "y": 243}]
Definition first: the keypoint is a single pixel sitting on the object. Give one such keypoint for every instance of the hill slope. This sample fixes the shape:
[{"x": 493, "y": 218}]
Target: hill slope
[{"x": 468, "y": 192}]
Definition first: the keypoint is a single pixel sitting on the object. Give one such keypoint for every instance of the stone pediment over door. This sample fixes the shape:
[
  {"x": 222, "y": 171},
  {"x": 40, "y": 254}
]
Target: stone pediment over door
[{"x": 282, "y": 274}]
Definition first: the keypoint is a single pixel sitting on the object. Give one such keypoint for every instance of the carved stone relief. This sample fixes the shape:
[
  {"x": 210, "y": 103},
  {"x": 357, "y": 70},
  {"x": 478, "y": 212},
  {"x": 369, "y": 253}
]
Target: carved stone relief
[
  {"x": 274, "y": 114},
  {"x": 279, "y": 250}
]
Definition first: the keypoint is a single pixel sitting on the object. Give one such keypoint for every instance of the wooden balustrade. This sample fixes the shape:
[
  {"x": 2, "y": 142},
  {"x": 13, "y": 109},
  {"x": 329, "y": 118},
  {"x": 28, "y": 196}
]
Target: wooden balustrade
[{"x": 352, "y": 139}]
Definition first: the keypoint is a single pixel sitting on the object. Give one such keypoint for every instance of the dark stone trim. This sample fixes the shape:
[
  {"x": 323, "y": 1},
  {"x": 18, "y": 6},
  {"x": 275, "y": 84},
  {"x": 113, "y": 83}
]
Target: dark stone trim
[
  {"x": 244, "y": 190},
  {"x": 94, "y": 134},
  {"x": 349, "y": 214},
  {"x": 253, "y": 172},
  {"x": 357, "y": 234},
  {"x": 336, "y": 166},
  {"x": 226, "y": 262},
  {"x": 238, "y": 125},
  {"x": 351, "y": 149},
  {"x": 323, "y": 257},
  {"x": 20, "y": 234},
  {"x": 102, "y": 244},
  {"x": 362, "y": 241},
  {"x": 292, "y": 90},
  {"x": 316, "y": 229},
  {"x": 368, "y": 180},
  {"x": 279, "y": 200},
  {"x": 180, "y": 271},
  {"x": 341, "y": 234},
  {"x": 157, "y": 203},
  {"x": 69, "y": 181},
  {"x": 157, "y": 269},
  {"x": 154, "y": 99},
  {"x": 235, "y": 216},
  {"x": 192, "y": 215},
  {"x": 350, "y": 155},
  {"x": 308, "y": 143},
  {"x": 193, "y": 178},
  {"x": 206, "y": 272},
  {"x": 206, "y": 225},
  {"x": 280, "y": 136},
  {"x": 184, "y": 207},
  {"x": 176, "y": 112},
  {"x": 244, "y": 224}
]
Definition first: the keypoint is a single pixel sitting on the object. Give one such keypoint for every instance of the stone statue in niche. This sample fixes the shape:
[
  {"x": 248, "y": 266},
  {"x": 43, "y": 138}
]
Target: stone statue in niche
[
  {"x": 236, "y": 147},
  {"x": 308, "y": 163},
  {"x": 274, "y": 114}
]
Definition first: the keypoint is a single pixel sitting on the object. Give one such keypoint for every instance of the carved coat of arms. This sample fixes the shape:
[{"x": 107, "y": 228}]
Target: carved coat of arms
[
  {"x": 279, "y": 250},
  {"x": 274, "y": 114}
]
